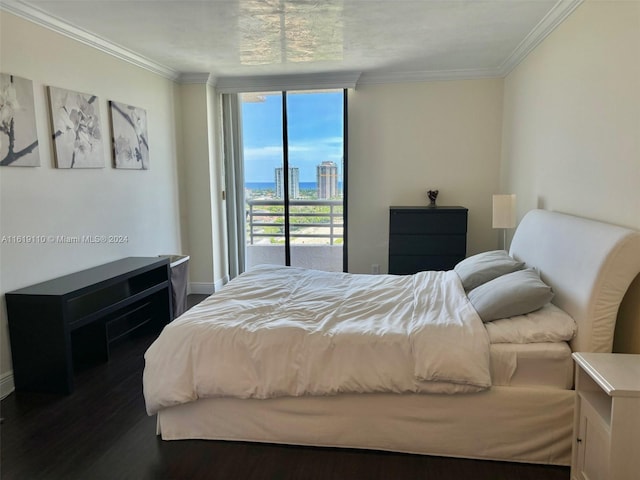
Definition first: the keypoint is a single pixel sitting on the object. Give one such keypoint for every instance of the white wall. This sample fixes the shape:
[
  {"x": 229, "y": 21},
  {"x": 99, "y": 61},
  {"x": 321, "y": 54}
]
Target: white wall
[
  {"x": 406, "y": 139},
  {"x": 201, "y": 168},
  {"x": 571, "y": 138},
  {"x": 142, "y": 205},
  {"x": 195, "y": 166}
]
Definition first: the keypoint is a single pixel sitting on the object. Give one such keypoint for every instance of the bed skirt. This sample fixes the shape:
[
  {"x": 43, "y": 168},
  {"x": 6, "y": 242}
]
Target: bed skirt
[{"x": 518, "y": 424}]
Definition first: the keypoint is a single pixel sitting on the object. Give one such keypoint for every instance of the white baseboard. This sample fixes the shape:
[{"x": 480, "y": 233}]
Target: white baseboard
[
  {"x": 206, "y": 288},
  {"x": 201, "y": 288},
  {"x": 6, "y": 384}
]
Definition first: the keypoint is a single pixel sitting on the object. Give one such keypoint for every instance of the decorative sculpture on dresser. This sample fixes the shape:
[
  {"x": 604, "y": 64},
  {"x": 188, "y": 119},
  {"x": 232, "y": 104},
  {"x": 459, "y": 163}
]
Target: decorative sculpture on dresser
[{"x": 432, "y": 194}]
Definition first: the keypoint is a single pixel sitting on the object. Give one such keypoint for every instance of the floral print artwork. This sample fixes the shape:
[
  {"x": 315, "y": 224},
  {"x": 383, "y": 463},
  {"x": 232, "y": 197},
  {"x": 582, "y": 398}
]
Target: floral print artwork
[
  {"x": 77, "y": 130},
  {"x": 130, "y": 142},
  {"x": 18, "y": 136}
]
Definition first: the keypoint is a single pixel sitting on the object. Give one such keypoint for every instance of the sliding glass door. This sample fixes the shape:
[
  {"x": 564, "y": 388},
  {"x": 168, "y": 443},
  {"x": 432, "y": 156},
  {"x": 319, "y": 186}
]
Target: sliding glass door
[
  {"x": 263, "y": 154},
  {"x": 293, "y": 146}
]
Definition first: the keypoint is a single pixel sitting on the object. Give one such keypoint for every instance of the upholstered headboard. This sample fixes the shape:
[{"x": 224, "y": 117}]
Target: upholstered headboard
[{"x": 588, "y": 264}]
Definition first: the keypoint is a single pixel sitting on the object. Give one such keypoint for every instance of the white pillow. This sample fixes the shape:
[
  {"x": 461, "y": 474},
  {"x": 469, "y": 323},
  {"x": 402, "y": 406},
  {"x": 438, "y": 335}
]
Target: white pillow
[
  {"x": 549, "y": 324},
  {"x": 483, "y": 267},
  {"x": 512, "y": 294}
]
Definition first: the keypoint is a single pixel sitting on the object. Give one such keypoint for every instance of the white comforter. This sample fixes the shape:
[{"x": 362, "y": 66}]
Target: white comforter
[{"x": 277, "y": 331}]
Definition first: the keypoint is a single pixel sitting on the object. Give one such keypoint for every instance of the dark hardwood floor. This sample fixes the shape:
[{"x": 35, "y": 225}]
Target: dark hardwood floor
[{"x": 101, "y": 431}]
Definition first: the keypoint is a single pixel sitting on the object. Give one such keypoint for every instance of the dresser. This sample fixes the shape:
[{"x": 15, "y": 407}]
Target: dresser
[
  {"x": 426, "y": 238},
  {"x": 607, "y": 417}
]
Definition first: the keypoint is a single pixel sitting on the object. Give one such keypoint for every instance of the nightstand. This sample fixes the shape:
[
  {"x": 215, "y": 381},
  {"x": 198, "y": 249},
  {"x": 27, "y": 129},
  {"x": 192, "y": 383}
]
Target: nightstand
[{"x": 607, "y": 417}]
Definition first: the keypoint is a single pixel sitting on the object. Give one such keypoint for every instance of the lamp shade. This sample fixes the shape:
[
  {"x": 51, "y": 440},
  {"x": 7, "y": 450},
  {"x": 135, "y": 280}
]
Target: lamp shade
[{"x": 504, "y": 211}]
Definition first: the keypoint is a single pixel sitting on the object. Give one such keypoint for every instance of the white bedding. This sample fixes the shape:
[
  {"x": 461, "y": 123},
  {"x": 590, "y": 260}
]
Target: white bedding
[
  {"x": 532, "y": 425},
  {"x": 532, "y": 365},
  {"x": 550, "y": 324},
  {"x": 284, "y": 331}
]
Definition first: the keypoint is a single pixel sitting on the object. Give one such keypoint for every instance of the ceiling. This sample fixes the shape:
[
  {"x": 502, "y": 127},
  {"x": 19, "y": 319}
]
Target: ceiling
[{"x": 385, "y": 40}]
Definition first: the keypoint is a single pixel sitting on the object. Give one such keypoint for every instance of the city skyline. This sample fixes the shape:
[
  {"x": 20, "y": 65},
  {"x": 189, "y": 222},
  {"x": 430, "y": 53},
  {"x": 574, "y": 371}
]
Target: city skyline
[
  {"x": 293, "y": 181},
  {"x": 327, "y": 184},
  {"x": 315, "y": 133},
  {"x": 327, "y": 180}
]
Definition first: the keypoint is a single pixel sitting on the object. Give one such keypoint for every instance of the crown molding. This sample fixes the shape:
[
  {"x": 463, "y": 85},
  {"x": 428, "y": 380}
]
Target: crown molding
[
  {"x": 268, "y": 83},
  {"x": 46, "y": 20},
  {"x": 551, "y": 20},
  {"x": 560, "y": 11},
  {"x": 190, "y": 78},
  {"x": 427, "y": 76}
]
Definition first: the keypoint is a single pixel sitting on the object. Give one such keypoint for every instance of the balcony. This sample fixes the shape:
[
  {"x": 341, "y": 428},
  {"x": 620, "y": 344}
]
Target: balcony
[{"x": 316, "y": 233}]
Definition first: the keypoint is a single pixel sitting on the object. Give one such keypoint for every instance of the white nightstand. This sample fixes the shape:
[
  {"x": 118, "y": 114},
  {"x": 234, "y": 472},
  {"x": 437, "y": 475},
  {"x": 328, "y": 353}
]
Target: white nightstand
[{"x": 607, "y": 417}]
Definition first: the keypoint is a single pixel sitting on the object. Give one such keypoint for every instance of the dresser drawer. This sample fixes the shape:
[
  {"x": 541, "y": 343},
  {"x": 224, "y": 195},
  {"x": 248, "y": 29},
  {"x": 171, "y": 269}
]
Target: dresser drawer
[
  {"x": 427, "y": 244},
  {"x": 417, "y": 222}
]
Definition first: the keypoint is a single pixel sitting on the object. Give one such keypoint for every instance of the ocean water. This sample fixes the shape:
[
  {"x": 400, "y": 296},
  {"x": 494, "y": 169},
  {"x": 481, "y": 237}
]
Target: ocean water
[{"x": 272, "y": 185}]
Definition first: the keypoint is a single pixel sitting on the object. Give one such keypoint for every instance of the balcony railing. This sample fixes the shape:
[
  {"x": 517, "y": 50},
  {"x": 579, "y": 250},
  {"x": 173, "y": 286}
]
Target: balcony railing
[{"x": 322, "y": 220}]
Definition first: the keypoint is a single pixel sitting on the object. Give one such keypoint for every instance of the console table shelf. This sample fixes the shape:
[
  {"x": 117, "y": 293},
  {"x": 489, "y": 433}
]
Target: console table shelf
[
  {"x": 76, "y": 317},
  {"x": 103, "y": 312}
]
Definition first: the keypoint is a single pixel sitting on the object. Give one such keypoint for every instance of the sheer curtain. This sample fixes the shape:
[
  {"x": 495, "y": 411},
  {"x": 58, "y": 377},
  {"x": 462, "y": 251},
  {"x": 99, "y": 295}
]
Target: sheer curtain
[{"x": 234, "y": 179}]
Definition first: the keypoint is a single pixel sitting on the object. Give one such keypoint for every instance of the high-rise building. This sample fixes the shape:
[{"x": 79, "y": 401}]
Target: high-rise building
[
  {"x": 294, "y": 182},
  {"x": 341, "y": 179},
  {"x": 327, "y": 180}
]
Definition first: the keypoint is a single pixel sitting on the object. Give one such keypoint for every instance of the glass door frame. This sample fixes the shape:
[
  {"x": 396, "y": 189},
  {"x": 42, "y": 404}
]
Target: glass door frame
[{"x": 286, "y": 180}]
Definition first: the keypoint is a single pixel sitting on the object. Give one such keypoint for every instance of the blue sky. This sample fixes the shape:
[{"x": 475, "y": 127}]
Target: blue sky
[{"x": 315, "y": 133}]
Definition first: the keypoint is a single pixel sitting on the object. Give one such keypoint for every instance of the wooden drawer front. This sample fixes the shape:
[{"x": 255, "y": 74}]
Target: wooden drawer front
[
  {"x": 436, "y": 222},
  {"x": 407, "y": 265},
  {"x": 427, "y": 245}
]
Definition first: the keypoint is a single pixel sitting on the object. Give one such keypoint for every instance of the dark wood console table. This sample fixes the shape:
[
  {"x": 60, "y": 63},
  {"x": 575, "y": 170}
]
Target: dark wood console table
[{"x": 74, "y": 318}]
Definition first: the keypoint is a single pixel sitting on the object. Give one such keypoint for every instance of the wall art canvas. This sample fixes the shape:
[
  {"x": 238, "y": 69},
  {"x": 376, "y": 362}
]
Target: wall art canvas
[
  {"x": 18, "y": 135},
  {"x": 77, "y": 129},
  {"x": 129, "y": 136}
]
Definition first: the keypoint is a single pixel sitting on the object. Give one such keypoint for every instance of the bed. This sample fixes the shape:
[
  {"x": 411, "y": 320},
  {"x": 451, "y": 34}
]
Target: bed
[{"x": 525, "y": 414}]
